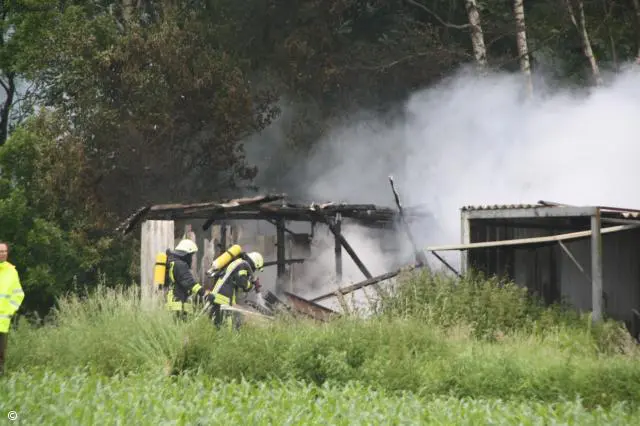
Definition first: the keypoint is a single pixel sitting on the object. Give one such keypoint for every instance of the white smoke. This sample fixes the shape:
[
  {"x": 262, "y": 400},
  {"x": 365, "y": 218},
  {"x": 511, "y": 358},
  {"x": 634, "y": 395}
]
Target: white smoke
[{"x": 476, "y": 140}]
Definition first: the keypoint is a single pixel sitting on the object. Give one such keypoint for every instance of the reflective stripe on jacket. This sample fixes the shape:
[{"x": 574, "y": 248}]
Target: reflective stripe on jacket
[
  {"x": 11, "y": 294},
  {"x": 182, "y": 285},
  {"x": 237, "y": 275},
  {"x": 177, "y": 305}
]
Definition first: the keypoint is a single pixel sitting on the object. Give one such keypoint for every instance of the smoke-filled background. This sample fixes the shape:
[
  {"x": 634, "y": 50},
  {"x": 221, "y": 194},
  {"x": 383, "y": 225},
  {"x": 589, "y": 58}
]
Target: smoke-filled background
[
  {"x": 108, "y": 109},
  {"x": 468, "y": 140}
]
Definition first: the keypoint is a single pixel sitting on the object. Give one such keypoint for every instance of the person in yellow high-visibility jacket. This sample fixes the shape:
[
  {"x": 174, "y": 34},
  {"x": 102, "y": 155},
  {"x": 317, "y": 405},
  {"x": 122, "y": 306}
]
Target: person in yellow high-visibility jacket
[{"x": 11, "y": 297}]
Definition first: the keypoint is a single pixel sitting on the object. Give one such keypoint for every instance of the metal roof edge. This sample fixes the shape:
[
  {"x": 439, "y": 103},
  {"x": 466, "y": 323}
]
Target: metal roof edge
[{"x": 607, "y": 210}]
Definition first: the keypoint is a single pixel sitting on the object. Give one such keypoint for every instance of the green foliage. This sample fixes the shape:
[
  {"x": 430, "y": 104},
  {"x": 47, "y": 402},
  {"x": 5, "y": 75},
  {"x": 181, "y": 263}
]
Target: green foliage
[
  {"x": 52, "y": 398},
  {"x": 491, "y": 308},
  {"x": 50, "y": 219},
  {"x": 113, "y": 332},
  {"x": 160, "y": 104}
]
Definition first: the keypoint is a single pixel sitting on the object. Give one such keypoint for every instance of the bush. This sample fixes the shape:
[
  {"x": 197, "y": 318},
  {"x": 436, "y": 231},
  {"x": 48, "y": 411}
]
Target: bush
[
  {"x": 493, "y": 308},
  {"x": 60, "y": 235}
]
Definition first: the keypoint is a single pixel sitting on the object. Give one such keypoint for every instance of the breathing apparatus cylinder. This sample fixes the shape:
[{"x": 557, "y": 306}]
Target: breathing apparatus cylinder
[
  {"x": 159, "y": 270},
  {"x": 223, "y": 260}
]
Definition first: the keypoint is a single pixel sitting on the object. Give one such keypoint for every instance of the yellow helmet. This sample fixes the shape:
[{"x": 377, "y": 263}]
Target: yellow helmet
[
  {"x": 257, "y": 260},
  {"x": 187, "y": 246}
]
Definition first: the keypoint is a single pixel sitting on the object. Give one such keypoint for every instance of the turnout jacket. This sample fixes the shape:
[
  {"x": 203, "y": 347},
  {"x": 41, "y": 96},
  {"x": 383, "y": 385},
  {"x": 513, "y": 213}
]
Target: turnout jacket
[
  {"x": 182, "y": 284},
  {"x": 238, "y": 275}
]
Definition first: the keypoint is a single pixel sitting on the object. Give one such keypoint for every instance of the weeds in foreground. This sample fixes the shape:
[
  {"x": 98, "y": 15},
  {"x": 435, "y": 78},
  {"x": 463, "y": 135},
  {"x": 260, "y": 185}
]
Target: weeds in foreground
[
  {"x": 476, "y": 339},
  {"x": 492, "y": 308}
]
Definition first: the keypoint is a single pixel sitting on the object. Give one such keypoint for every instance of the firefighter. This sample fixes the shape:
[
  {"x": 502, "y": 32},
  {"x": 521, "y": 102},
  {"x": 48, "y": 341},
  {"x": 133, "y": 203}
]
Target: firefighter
[
  {"x": 240, "y": 274},
  {"x": 11, "y": 297},
  {"x": 183, "y": 288}
]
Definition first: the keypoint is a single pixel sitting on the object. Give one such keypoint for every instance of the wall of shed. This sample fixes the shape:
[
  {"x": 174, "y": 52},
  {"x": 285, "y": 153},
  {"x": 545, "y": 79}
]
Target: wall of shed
[
  {"x": 532, "y": 267},
  {"x": 621, "y": 273},
  {"x": 549, "y": 272},
  {"x": 156, "y": 236}
]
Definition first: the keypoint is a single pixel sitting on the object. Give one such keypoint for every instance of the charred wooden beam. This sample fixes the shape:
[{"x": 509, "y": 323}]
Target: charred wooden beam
[
  {"x": 346, "y": 211},
  {"x": 274, "y": 222},
  {"x": 297, "y": 304},
  {"x": 286, "y": 262},
  {"x": 274, "y": 303},
  {"x": 420, "y": 257},
  {"x": 228, "y": 204},
  {"x": 445, "y": 263},
  {"x": 265, "y": 207},
  {"x": 369, "y": 220},
  {"x": 130, "y": 223},
  {"x": 309, "y": 308},
  {"x": 204, "y": 210},
  {"x": 338, "y": 247},
  {"x": 336, "y": 233},
  {"x": 280, "y": 254},
  {"x": 365, "y": 283},
  {"x": 223, "y": 237}
]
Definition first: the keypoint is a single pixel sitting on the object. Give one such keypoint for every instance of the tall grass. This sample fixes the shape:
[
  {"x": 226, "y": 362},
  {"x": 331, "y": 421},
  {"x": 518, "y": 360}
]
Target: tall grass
[
  {"x": 474, "y": 338},
  {"x": 492, "y": 308}
]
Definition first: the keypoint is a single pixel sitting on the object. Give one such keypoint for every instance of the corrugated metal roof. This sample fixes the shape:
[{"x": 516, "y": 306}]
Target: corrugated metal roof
[
  {"x": 610, "y": 211},
  {"x": 501, "y": 206},
  {"x": 626, "y": 215}
]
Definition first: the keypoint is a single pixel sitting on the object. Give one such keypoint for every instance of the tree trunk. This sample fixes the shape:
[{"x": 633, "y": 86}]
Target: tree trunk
[
  {"x": 636, "y": 6},
  {"x": 581, "y": 27},
  {"x": 523, "y": 50},
  {"x": 130, "y": 11},
  {"x": 9, "y": 87},
  {"x": 607, "y": 6},
  {"x": 477, "y": 37}
]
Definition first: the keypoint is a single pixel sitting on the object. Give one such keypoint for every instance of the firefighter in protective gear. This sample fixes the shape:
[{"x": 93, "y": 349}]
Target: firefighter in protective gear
[
  {"x": 11, "y": 297},
  {"x": 240, "y": 274},
  {"x": 183, "y": 287}
]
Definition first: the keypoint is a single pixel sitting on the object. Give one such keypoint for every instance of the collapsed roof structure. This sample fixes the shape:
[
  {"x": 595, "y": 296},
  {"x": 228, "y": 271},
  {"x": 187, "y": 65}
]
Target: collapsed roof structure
[
  {"x": 270, "y": 207},
  {"x": 276, "y": 209}
]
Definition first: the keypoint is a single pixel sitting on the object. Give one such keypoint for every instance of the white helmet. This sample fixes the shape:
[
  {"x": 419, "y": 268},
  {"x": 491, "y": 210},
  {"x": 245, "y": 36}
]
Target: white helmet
[
  {"x": 257, "y": 260},
  {"x": 187, "y": 246}
]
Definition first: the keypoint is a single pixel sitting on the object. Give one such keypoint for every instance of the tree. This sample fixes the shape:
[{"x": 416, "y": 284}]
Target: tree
[
  {"x": 581, "y": 26},
  {"x": 7, "y": 73},
  {"x": 477, "y": 37},
  {"x": 636, "y": 7},
  {"x": 60, "y": 235},
  {"x": 160, "y": 107},
  {"x": 523, "y": 50}
]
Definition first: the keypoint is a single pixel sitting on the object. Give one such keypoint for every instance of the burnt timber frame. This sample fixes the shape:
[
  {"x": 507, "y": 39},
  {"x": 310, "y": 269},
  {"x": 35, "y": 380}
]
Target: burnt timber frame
[{"x": 274, "y": 208}]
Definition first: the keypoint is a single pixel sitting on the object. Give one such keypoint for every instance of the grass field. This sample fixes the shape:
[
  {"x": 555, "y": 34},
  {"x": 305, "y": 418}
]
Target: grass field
[
  {"x": 86, "y": 399},
  {"x": 478, "y": 352}
]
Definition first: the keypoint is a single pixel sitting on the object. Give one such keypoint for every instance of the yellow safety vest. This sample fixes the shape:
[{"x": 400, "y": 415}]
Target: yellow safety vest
[{"x": 11, "y": 294}]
